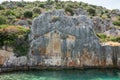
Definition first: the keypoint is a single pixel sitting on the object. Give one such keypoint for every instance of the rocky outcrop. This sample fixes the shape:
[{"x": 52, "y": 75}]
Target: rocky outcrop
[
  {"x": 114, "y": 13},
  {"x": 62, "y": 41},
  {"x": 102, "y": 25},
  {"x": 25, "y": 23},
  {"x": 68, "y": 42},
  {"x": 113, "y": 32},
  {"x": 80, "y": 11}
]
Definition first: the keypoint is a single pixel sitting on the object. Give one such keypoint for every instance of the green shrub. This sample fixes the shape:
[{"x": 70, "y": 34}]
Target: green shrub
[
  {"x": 92, "y": 11},
  {"x": 9, "y": 12},
  {"x": 35, "y": 15},
  {"x": 117, "y": 23},
  {"x": 2, "y": 20},
  {"x": 3, "y": 26},
  {"x": 15, "y": 37},
  {"x": 20, "y": 4},
  {"x": 102, "y": 37},
  {"x": 1, "y": 7},
  {"x": 37, "y": 10},
  {"x": 115, "y": 39},
  {"x": 42, "y": 5},
  {"x": 28, "y": 14},
  {"x": 70, "y": 10}
]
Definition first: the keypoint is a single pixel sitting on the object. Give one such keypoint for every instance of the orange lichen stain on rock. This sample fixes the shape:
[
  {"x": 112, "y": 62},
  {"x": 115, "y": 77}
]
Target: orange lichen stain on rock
[
  {"x": 112, "y": 43},
  {"x": 86, "y": 55},
  {"x": 103, "y": 63},
  {"x": 70, "y": 37},
  {"x": 72, "y": 63},
  {"x": 42, "y": 50},
  {"x": 4, "y": 55},
  {"x": 88, "y": 59},
  {"x": 68, "y": 54},
  {"x": 95, "y": 61}
]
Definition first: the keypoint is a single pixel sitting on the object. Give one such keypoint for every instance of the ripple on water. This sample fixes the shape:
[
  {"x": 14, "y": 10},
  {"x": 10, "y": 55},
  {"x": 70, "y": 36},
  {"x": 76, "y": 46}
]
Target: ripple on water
[{"x": 93, "y": 74}]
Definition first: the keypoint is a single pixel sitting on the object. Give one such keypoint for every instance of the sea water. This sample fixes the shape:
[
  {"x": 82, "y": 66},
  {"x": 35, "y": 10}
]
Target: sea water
[{"x": 88, "y": 74}]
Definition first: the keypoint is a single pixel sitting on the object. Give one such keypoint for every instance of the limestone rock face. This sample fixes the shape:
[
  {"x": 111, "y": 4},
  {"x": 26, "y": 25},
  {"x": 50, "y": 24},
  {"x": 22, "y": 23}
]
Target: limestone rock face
[
  {"x": 60, "y": 40},
  {"x": 4, "y": 55},
  {"x": 15, "y": 61},
  {"x": 113, "y": 32},
  {"x": 80, "y": 11},
  {"x": 101, "y": 25}
]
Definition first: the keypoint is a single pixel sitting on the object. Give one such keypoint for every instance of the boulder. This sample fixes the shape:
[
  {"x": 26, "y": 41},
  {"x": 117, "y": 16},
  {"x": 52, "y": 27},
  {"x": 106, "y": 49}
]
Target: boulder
[
  {"x": 113, "y": 32},
  {"x": 80, "y": 11}
]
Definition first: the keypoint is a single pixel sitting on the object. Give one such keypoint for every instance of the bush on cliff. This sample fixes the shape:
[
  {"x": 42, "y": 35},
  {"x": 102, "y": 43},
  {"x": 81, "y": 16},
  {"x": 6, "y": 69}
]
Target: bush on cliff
[
  {"x": 2, "y": 20},
  {"x": 70, "y": 10},
  {"x": 92, "y": 11},
  {"x": 28, "y": 14},
  {"x": 117, "y": 23},
  {"x": 37, "y": 10},
  {"x": 1, "y": 7},
  {"x": 15, "y": 37},
  {"x": 104, "y": 38}
]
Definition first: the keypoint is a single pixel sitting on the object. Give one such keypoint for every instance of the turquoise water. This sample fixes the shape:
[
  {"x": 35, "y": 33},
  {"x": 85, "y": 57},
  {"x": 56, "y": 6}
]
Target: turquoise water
[{"x": 94, "y": 74}]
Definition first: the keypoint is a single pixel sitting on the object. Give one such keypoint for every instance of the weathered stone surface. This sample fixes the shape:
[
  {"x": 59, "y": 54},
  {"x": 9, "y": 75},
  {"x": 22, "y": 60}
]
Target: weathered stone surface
[
  {"x": 15, "y": 61},
  {"x": 68, "y": 41},
  {"x": 113, "y": 32},
  {"x": 102, "y": 25},
  {"x": 25, "y": 23},
  {"x": 58, "y": 40},
  {"x": 80, "y": 11},
  {"x": 4, "y": 55}
]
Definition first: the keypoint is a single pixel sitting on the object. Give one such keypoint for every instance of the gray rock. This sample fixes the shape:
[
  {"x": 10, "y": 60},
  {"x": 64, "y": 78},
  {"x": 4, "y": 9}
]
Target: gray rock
[
  {"x": 114, "y": 13},
  {"x": 80, "y": 11},
  {"x": 113, "y": 32},
  {"x": 102, "y": 25},
  {"x": 63, "y": 41},
  {"x": 58, "y": 40},
  {"x": 24, "y": 23},
  {"x": 16, "y": 61}
]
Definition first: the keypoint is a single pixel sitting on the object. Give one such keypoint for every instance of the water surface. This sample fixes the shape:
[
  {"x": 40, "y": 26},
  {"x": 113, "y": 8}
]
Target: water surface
[{"x": 90, "y": 74}]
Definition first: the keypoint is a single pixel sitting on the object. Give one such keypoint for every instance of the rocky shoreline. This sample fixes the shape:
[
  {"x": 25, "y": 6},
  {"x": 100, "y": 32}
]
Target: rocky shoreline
[{"x": 59, "y": 41}]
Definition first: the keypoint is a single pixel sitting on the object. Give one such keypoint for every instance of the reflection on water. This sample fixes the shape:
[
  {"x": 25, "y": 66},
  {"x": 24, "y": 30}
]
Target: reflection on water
[{"x": 93, "y": 74}]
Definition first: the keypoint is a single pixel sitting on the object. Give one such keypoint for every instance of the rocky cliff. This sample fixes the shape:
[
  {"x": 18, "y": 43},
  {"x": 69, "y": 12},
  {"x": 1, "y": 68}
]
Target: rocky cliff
[{"x": 62, "y": 41}]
